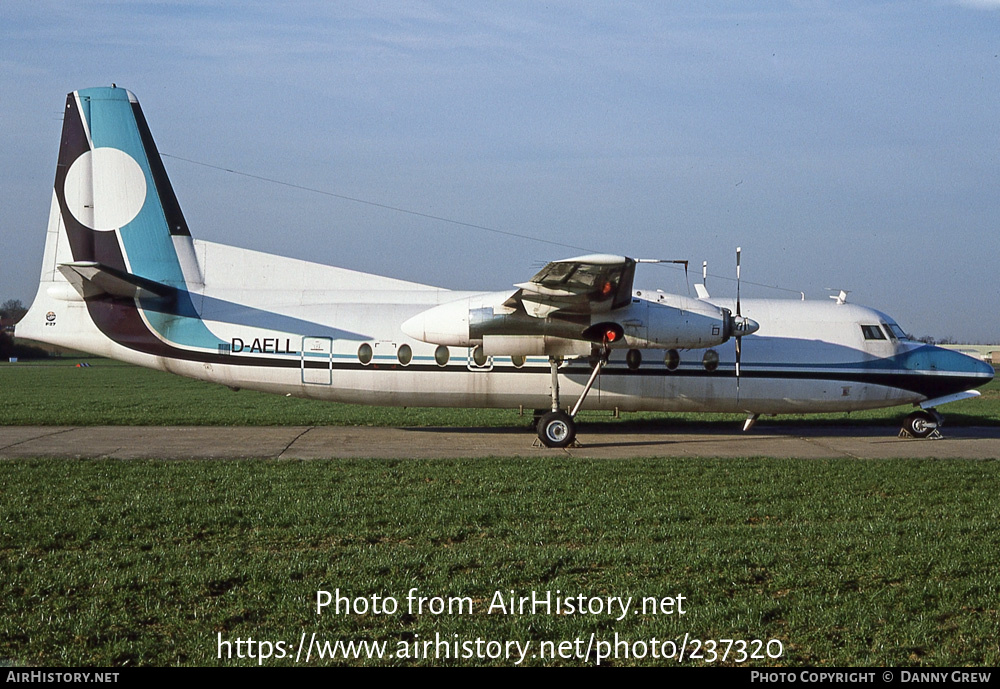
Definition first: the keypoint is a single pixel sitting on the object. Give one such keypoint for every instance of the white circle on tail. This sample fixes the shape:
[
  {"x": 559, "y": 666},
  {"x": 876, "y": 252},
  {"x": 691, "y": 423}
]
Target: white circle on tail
[{"x": 105, "y": 189}]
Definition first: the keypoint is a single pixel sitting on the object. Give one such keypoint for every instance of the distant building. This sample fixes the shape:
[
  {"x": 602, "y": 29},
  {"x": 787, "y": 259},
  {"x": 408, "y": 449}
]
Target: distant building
[{"x": 988, "y": 353}]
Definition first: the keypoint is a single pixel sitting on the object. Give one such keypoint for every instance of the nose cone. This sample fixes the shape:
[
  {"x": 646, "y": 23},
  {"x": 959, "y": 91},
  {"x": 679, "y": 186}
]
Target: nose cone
[
  {"x": 964, "y": 370},
  {"x": 950, "y": 361},
  {"x": 944, "y": 371},
  {"x": 986, "y": 370}
]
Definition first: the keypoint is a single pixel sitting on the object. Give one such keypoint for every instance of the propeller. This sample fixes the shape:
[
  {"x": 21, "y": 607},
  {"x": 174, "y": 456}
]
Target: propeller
[
  {"x": 739, "y": 338},
  {"x": 741, "y": 326}
]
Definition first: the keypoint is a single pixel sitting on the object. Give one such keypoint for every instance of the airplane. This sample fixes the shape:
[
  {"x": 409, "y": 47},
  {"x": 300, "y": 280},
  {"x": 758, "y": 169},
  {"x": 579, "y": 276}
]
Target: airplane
[{"x": 123, "y": 278}]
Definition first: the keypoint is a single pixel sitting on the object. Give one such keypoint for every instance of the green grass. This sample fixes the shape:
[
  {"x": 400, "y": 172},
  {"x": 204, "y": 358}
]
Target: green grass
[
  {"x": 845, "y": 562},
  {"x": 874, "y": 562},
  {"x": 111, "y": 393}
]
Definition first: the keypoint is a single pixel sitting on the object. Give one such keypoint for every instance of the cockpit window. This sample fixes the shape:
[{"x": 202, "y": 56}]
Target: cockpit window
[
  {"x": 889, "y": 331},
  {"x": 872, "y": 332},
  {"x": 897, "y": 331}
]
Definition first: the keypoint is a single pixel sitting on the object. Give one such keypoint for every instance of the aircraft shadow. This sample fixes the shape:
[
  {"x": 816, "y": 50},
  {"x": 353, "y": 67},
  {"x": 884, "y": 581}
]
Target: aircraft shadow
[{"x": 718, "y": 430}]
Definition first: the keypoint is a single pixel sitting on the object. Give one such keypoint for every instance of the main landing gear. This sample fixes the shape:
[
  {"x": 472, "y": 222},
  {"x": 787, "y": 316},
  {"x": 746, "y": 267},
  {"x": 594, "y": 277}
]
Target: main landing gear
[
  {"x": 557, "y": 428},
  {"x": 922, "y": 424}
]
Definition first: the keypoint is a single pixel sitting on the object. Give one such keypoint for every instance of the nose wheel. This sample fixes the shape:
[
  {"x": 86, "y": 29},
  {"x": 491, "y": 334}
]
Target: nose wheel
[{"x": 922, "y": 424}]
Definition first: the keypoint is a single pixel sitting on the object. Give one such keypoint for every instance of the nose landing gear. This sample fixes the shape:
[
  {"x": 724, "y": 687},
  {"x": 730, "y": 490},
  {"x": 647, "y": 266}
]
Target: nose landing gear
[{"x": 922, "y": 424}]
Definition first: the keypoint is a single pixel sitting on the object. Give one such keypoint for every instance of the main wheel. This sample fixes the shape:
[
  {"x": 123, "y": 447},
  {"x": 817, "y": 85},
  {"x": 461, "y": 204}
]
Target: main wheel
[
  {"x": 921, "y": 424},
  {"x": 556, "y": 429}
]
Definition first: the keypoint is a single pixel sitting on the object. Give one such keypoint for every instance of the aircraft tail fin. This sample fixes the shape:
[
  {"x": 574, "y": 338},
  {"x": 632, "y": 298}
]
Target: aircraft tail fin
[
  {"x": 116, "y": 203},
  {"x": 117, "y": 238}
]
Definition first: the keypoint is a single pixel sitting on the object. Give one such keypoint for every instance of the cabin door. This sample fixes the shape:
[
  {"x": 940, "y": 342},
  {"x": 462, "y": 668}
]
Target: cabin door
[{"x": 317, "y": 360}]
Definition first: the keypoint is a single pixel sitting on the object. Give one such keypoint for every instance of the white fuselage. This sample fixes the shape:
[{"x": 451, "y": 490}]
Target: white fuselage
[
  {"x": 296, "y": 328},
  {"x": 122, "y": 277}
]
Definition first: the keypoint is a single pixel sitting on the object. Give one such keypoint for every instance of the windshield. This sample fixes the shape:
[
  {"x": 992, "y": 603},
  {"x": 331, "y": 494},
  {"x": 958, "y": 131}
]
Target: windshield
[{"x": 896, "y": 330}]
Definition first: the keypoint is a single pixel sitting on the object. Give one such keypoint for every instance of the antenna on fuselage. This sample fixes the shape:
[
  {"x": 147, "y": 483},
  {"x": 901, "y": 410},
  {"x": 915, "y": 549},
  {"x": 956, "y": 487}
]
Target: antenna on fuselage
[
  {"x": 702, "y": 289},
  {"x": 839, "y": 298}
]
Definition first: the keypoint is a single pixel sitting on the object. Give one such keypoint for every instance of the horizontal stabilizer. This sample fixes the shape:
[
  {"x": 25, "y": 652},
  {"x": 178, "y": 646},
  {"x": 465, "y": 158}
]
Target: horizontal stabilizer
[{"x": 92, "y": 279}]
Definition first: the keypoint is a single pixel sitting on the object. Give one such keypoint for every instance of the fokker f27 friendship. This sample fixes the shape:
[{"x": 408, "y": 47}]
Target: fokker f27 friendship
[{"x": 123, "y": 278}]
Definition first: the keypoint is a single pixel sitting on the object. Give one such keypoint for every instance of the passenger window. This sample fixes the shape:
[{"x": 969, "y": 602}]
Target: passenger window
[
  {"x": 872, "y": 332},
  {"x": 404, "y": 354}
]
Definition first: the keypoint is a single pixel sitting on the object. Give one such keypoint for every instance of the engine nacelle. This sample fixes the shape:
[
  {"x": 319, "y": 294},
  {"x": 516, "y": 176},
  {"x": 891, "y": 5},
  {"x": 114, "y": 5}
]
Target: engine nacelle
[
  {"x": 455, "y": 324},
  {"x": 670, "y": 322},
  {"x": 534, "y": 345},
  {"x": 683, "y": 323}
]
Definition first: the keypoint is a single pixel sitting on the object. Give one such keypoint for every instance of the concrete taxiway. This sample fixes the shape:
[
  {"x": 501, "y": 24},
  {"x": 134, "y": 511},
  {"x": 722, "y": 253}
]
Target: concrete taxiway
[{"x": 315, "y": 442}]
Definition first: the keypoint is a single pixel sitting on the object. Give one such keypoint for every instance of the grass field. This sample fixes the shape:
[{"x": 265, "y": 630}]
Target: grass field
[{"x": 845, "y": 563}]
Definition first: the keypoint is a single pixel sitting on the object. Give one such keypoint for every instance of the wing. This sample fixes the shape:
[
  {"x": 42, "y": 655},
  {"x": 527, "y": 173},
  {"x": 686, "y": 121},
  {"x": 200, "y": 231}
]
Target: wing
[{"x": 590, "y": 284}]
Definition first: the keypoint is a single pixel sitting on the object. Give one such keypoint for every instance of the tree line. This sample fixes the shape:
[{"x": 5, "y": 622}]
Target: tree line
[{"x": 11, "y": 311}]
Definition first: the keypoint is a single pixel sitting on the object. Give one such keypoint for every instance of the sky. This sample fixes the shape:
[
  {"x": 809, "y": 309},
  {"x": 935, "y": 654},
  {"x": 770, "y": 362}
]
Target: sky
[{"x": 843, "y": 145}]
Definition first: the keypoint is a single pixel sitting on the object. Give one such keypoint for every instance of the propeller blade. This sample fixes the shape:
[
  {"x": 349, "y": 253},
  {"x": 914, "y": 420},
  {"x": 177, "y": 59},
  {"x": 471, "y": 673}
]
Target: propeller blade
[
  {"x": 738, "y": 250},
  {"x": 738, "y": 339}
]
